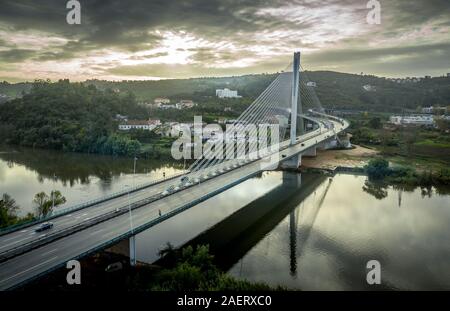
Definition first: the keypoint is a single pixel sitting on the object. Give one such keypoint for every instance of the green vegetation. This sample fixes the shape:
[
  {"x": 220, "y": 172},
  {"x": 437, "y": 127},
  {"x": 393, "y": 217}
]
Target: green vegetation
[
  {"x": 45, "y": 203},
  {"x": 8, "y": 212},
  {"x": 406, "y": 177},
  {"x": 44, "y": 206},
  {"x": 424, "y": 148},
  {"x": 69, "y": 117},
  {"x": 191, "y": 270},
  {"x": 334, "y": 89}
]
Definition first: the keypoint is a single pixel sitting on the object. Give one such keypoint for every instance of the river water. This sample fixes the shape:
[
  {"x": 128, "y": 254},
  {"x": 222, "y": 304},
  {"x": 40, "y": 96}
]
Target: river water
[{"x": 301, "y": 231}]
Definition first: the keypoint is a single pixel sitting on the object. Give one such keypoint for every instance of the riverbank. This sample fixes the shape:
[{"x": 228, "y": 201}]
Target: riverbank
[
  {"x": 186, "y": 269},
  {"x": 356, "y": 158}
]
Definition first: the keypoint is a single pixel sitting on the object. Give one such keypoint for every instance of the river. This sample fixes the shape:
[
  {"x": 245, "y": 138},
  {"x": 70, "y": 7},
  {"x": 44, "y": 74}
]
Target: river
[{"x": 301, "y": 231}]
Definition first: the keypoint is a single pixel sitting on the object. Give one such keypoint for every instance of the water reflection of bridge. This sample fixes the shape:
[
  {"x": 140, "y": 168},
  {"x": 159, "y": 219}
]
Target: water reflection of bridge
[{"x": 233, "y": 237}]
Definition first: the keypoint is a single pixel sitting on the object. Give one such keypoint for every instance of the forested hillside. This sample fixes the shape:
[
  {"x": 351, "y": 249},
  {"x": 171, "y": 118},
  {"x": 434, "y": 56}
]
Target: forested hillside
[
  {"x": 68, "y": 116},
  {"x": 335, "y": 90}
]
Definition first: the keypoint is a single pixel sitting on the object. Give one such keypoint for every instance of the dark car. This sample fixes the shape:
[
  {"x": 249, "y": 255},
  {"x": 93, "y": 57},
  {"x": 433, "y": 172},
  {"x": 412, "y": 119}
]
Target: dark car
[{"x": 44, "y": 226}]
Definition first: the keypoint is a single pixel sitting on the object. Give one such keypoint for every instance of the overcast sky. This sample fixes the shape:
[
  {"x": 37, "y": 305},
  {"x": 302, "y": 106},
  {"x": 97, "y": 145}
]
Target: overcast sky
[{"x": 153, "y": 39}]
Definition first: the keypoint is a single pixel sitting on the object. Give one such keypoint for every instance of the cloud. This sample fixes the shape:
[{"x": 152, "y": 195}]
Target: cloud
[
  {"x": 16, "y": 55},
  {"x": 222, "y": 37}
]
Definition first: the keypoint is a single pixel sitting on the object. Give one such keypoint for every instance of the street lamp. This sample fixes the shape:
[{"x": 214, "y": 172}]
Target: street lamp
[
  {"x": 132, "y": 238},
  {"x": 129, "y": 207},
  {"x": 53, "y": 193},
  {"x": 134, "y": 170}
]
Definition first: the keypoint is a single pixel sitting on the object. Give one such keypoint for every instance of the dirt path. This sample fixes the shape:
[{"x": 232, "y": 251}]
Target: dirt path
[{"x": 330, "y": 159}]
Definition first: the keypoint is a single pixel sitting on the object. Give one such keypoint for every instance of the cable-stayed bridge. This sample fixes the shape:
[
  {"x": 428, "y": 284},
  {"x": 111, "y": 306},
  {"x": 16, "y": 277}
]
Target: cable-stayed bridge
[{"x": 280, "y": 126}]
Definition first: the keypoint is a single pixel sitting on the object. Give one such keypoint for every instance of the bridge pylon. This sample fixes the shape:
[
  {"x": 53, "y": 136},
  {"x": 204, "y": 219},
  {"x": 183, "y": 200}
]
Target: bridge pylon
[{"x": 295, "y": 97}]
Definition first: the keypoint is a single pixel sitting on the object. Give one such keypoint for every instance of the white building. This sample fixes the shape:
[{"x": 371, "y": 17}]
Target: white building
[
  {"x": 227, "y": 93},
  {"x": 185, "y": 104},
  {"x": 161, "y": 100},
  {"x": 147, "y": 125},
  {"x": 412, "y": 120},
  {"x": 369, "y": 88},
  {"x": 167, "y": 106}
]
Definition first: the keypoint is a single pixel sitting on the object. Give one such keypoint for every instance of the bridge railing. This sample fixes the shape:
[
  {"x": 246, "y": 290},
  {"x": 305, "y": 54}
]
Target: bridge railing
[{"x": 77, "y": 207}]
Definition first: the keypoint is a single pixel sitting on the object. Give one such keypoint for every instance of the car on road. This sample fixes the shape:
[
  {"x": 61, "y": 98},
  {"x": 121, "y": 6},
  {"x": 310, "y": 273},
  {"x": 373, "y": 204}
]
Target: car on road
[
  {"x": 168, "y": 190},
  {"x": 44, "y": 226}
]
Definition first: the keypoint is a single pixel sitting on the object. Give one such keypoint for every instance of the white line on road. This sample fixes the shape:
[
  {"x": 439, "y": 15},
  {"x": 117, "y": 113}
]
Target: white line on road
[
  {"x": 49, "y": 252},
  {"x": 3, "y": 246},
  {"x": 95, "y": 232},
  {"x": 12, "y": 238},
  {"x": 106, "y": 234},
  {"x": 24, "y": 271}
]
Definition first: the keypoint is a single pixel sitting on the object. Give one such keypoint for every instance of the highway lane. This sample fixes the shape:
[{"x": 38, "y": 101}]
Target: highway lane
[
  {"x": 32, "y": 263},
  {"x": 37, "y": 261},
  {"x": 28, "y": 234}
]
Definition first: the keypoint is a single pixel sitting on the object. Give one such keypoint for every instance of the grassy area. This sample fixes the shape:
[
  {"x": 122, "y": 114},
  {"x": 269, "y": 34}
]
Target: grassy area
[
  {"x": 433, "y": 143},
  {"x": 418, "y": 147}
]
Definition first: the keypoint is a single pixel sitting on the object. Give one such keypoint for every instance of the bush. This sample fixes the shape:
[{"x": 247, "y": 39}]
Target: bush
[{"x": 377, "y": 168}]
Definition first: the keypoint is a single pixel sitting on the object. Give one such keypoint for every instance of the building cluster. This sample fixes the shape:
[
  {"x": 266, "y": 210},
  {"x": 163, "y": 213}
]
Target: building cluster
[
  {"x": 227, "y": 93},
  {"x": 369, "y": 88},
  {"x": 164, "y": 103},
  {"x": 3, "y": 98},
  {"x": 434, "y": 110},
  {"x": 148, "y": 125},
  {"x": 417, "y": 120},
  {"x": 407, "y": 80}
]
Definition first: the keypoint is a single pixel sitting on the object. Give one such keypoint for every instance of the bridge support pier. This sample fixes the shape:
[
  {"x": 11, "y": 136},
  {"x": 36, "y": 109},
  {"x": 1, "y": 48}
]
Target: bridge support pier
[
  {"x": 292, "y": 163},
  {"x": 132, "y": 242},
  {"x": 310, "y": 152},
  {"x": 292, "y": 179},
  {"x": 329, "y": 144}
]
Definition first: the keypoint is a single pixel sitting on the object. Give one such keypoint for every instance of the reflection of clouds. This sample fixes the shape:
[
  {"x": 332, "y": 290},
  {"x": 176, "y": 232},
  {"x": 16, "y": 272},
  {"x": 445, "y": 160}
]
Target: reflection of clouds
[
  {"x": 79, "y": 177},
  {"x": 185, "y": 226},
  {"x": 3, "y": 170},
  {"x": 353, "y": 227}
]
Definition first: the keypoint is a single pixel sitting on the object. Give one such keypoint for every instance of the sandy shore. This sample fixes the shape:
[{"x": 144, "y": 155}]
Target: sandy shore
[{"x": 330, "y": 159}]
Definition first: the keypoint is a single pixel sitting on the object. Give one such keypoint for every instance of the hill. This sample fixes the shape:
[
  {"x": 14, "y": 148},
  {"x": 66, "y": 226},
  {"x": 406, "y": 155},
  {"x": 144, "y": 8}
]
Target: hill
[{"x": 335, "y": 90}]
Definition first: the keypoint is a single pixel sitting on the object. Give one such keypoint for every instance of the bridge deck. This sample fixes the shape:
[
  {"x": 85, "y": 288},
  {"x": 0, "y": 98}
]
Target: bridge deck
[{"x": 52, "y": 255}]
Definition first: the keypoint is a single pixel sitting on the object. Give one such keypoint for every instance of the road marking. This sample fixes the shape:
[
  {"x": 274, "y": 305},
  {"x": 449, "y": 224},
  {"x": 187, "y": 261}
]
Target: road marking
[
  {"x": 95, "y": 232},
  {"x": 49, "y": 252},
  {"x": 106, "y": 234},
  {"x": 24, "y": 271},
  {"x": 3, "y": 246},
  {"x": 12, "y": 238}
]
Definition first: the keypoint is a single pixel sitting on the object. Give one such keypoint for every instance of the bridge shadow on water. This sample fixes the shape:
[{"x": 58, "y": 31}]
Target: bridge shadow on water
[{"x": 234, "y": 236}]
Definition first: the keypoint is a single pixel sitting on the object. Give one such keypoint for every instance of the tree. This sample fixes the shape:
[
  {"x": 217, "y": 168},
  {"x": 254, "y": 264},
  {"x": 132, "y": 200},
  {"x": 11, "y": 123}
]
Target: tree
[
  {"x": 375, "y": 123},
  {"x": 377, "y": 168},
  {"x": 45, "y": 204},
  {"x": 8, "y": 210}
]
